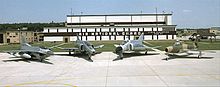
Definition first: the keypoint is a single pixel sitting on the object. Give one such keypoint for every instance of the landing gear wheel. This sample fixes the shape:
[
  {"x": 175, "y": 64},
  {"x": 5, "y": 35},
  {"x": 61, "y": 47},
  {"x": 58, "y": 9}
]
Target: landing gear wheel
[
  {"x": 41, "y": 59},
  {"x": 69, "y": 52},
  {"x": 199, "y": 56},
  {"x": 145, "y": 53},
  {"x": 167, "y": 59},
  {"x": 90, "y": 60}
]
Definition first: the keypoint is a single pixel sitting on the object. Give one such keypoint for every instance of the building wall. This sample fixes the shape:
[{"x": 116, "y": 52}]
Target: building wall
[
  {"x": 14, "y": 36},
  {"x": 124, "y": 18},
  {"x": 109, "y": 33},
  {"x": 113, "y": 27}
]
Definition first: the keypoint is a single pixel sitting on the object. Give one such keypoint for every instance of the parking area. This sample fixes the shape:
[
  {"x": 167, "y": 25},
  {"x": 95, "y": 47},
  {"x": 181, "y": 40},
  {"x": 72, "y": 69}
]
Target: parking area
[{"x": 134, "y": 70}]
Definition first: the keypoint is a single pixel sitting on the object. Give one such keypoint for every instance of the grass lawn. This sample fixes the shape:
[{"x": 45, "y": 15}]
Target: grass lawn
[{"x": 109, "y": 45}]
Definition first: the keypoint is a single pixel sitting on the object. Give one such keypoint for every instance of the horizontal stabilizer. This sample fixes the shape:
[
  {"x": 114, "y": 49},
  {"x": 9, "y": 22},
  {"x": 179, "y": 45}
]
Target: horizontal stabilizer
[
  {"x": 58, "y": 45},
  {"x": 116, "y": 45},
  {"x": 99, "y": 46}
]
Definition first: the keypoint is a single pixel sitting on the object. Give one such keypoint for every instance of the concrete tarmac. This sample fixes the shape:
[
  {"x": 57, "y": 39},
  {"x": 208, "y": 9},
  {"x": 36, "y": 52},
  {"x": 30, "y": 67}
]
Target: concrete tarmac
[{"x": 134, "y": 70}]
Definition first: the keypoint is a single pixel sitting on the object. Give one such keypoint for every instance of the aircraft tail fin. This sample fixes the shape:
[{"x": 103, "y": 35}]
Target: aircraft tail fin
[
  {"x": 23, "y": 42},
  {"x": 78, "y": 37},
  {"x": 141, "y": 37}
]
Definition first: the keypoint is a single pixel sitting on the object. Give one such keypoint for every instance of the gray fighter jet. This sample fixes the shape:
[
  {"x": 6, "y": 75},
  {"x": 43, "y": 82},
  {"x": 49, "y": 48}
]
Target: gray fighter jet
[
  {"x": 83, "y": 47},
  {"x": 27, "y": 51},
  {"x": 132, "y": 46}
]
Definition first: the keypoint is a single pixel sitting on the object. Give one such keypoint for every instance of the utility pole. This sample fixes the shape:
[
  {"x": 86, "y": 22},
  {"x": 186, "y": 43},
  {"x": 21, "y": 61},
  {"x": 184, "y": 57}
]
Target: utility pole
[
  {"x": 71, "y": 13},
  {"x": 156, "y": 19},
  {"x": 141, "y": 15},
  {"x": 80, "y": 19},
  {"x": 19, "y": 30},
  {"x": 157, "y": 23}
]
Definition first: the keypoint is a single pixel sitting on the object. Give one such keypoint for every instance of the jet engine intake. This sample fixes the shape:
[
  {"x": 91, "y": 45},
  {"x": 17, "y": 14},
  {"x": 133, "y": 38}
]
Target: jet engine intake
[
  {"x": 118, "y": 50},
  {"x": 81, "y": 47},
  {"x": 171, "y": 50},
  {"x": 131, "y": 47}
]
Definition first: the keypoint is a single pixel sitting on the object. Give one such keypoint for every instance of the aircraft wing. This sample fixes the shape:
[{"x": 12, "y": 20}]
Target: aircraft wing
[
  {"x": 177, "y": 54},
  {"x": 99, "y": 46},
  {"x": 152, "y": 48},
  {"x": 67, "y": 48},
  {"x": 25, "y": 51}
]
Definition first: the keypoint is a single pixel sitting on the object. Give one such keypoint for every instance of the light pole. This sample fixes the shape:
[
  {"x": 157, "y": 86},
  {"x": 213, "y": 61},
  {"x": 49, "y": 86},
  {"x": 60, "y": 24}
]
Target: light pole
[{"x": 19, "y": 30}]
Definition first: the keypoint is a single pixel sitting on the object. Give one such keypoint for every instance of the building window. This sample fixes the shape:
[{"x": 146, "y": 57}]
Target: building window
[
  {"x": 114, "y": 33},
  {"x": 119, "y": 33},
  {"x": 111, "y": 24},
  {"x": 48, "y": 30},
  {"x": 123, "y": 33},
  {"x": 8, "y": 40},
  {"x": 57, "y": 30}
]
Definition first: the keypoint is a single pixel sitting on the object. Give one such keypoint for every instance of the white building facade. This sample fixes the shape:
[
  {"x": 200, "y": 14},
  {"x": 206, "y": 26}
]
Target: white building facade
[{"x": 113, "y": 27}]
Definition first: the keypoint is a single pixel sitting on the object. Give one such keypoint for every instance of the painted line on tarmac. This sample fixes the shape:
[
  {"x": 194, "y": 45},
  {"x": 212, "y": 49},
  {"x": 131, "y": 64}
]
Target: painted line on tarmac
[{"x": 49, "y": 82}]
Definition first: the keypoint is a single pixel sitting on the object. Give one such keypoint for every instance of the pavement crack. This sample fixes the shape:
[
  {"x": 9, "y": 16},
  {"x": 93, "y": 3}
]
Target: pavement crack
[{"x": 106, "y": 79}]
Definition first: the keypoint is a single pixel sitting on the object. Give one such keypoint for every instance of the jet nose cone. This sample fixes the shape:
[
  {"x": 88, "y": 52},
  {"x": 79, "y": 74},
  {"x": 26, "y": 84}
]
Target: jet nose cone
[
  {"x": 166, "y": 50},
  {"x": 93, "y": 52},
  {"x": 50, "y": 52}
]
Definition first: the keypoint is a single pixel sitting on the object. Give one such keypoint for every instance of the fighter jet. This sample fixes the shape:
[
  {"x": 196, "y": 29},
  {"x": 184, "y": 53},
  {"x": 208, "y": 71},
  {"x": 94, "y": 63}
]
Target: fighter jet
[
  {"x": 27, "y": 51},
  {"x": 132, "y": 46},
  {"x": 83, "y": 47},
  {"x": 179, "y": 49}
]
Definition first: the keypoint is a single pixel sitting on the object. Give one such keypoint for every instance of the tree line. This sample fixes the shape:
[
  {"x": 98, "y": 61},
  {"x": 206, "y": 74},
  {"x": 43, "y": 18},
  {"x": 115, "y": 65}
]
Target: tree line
[{"x": 30, "y": 26}]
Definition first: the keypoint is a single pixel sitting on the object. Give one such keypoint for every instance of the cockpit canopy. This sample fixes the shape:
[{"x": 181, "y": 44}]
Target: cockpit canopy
[{"x": 43, "y": 47}]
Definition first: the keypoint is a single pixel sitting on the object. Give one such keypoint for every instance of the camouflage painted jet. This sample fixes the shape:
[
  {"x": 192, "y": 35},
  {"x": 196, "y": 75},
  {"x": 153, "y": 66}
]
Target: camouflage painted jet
[
  {"x": 30, "y": 52},
  {"x": 180, "y": 49},
  {"x": 132, "y": 46},
  {"x": 83, "y": 47}
]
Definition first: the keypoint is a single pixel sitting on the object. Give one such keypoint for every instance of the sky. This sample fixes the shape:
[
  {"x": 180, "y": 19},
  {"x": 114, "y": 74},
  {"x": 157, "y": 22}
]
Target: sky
[{"x": 186, "y": 13}]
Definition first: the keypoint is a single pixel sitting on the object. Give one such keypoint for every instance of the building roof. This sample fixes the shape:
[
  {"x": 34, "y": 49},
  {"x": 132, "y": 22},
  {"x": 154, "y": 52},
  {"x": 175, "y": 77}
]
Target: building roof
[
  {"x": 110, "y": 26},
  {"x": 144, "y": 14},
  {"x": 216, "y": 28}
]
